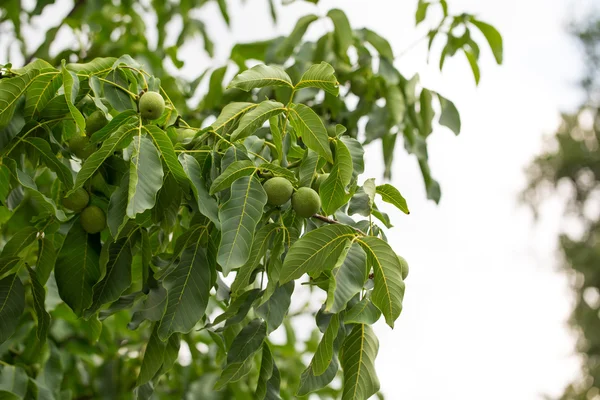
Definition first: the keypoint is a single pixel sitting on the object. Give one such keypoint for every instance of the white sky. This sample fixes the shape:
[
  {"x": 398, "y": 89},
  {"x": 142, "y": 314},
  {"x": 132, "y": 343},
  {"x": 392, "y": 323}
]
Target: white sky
[{"x": 485, "y": 309}]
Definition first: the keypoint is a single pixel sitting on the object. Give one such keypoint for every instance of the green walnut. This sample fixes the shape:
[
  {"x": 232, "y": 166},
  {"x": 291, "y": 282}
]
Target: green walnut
[
  {"x": 359, "y": 86},
  {"x": 316, "y": 185},
  {"x": 185, "y": 135},
  {"x": 152, "y": 105},
  {"x": 404, "y": 266},
  {"x": 279, "y": 190},
  {"x": 80, "y": 146},
  {"x": 77, "y": 201},
  {"x": 93, "y": 219},
  {"x": 306, "y": 202},
  {"x": 94, "y": 122}
]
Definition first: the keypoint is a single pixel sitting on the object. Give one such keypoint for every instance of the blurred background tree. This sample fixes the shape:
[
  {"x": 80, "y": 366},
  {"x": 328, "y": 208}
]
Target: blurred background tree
[
  {"x": 571, "y": 169},
  {"x": 377, "y": 103}
]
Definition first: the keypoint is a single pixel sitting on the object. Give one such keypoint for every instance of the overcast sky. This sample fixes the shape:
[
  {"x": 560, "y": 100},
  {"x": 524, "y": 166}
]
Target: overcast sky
[{"x": 485, "y": 308}]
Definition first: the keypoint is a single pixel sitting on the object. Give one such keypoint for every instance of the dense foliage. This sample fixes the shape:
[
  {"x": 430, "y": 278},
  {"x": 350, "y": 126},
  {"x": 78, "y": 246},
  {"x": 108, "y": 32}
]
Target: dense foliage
[
  {"x": 135, "y": 223},
  {"x": 574, "y": 163}
]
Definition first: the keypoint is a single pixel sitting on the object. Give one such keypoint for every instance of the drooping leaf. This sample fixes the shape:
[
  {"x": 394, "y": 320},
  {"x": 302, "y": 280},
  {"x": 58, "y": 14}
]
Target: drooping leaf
[
  {"x": 78, "y": 268},
  {"x": 450, "y": 116},
  {"x": 294, "y": 38},
  {"x": 493, "y": 38},
  {"x": 12, "y": 305},
  {"x": 333, "y": 191},
  {"x": 276, "y": 307},
  {"x": 391, "y": 195},
  {"x": 167, "y": 154},
  {"x": 39, "y": 296},
  {"x": 380, "y": 44},
  {"x": 342, "y": 30},
  {"x": 261, "y": 75},
  {"x": 363, "y": 312},
  {"x": 239, "y": 217},
  {"x": 71, "y": 86},
  {"x": 324, "y": 354},
  {"x": 266, "y": 372},
  {"x": 387, "y": 270},
  {"x": 145, "y": 176},
  {"x": 188, "y": 287},
  {"x": 357, "y": 356},
  {"x": 157, "y": 351},
  {"x": 207, "y": 205},
  {"x": 310, "y": 128},
  {"x": 321, "y": 76},
  {"x": 316, "y": 251},
  {"x": 347, "y": 279}
]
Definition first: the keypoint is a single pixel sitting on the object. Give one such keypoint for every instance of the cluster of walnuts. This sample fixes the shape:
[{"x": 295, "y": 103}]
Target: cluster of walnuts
[{"x": 92, "y": 218}]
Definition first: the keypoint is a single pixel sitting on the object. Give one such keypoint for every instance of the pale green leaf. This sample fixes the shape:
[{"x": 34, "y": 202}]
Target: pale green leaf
[
  {"x": 358, "y": 363},
  {"x": 333, "y": 191},
  {"x": 321, "y": 76},
  {"x": 316, "y": 251},
  {"x": 260, "y": 76},
  {"x": 167, "y": 154},
  {"x": 493, "y": 38},
  {"x": 145, "y": 176},
  {"x": 254, "y": 119},
  {"x": 11, "y": 89},
  {"x": 388, "y": 291},
  {"x": 379, "y": 43},
  {"x": 391, "y": 195}
]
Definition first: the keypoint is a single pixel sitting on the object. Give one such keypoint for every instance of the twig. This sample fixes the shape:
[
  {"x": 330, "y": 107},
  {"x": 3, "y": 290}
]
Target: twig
[{"x": 333, "y": 221}]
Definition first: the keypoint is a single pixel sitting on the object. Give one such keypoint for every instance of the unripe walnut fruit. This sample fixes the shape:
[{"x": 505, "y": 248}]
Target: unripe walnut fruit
[
  {"x": 94, "y": 122},
  {"x": 79, "y": 145},
  {"x": 319, "y": 181},
  {"x": 279, "y": 190},
  {"x": 152, "y": 105},
  {"x": 93, "y": 219},
  {"x": 306, "y": 202},
  {"x": 77, "y": 201}
]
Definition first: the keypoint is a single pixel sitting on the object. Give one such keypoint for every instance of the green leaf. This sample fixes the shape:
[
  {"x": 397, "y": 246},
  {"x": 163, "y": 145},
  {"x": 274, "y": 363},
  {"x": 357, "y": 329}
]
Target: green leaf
[
  {"x": 391, "y": 195},
  {"x": 363, "y": 312},
  {"x": 41, "y": 91},
  {"x": 356, "y": 152},
  {"x": 357, "y": 356},
  {"x": 315, "y": 252},
  {"x": 117, "y": 207},
  {"x": 472, "y": 59},
  {"x": 347, "y": 279},
  {"x": 39, "y": 297},
  {"x": 51, "y": 161},
  {"x": 493, "y": 38},
  {"x": 230, "y": 113},
  {"x": 450, "y": 117},
  {"x": 259, "y": 247},
  {"x": 421, "y": 13},
  {"x": 93, "y": 162},
  {"x": 78, "y": 268},
  {"x": 95, "y": 67},
  {"x": 232, "y": 173},
  {"x": 117, "y": 272},
  {"x": 233, "y": 372},
  {"x": 310, "y": 128},
  {"x": 7, "y": 264},
  {"x": 324, "y": 354},
  {"x": 151, "y": 308},
  {"x": 333, "y": 190},
  {"x": 207, "y": 205},
  {"x": 342, "y": 31},
  {"x": 13, "y": 380},
  {"x": 380, "y": 44},
  {"x": 321, "y": 76},
  {"x": 293, "y": 39},
  {"x": 167, "y": 154},
  {"x": 239, "y": 217},
  {"x": 387, "y": 270},
  {"x": 19, "y": 241},
  {"x": 115, "y": 86},
  {"x": 188, "y": 288},
  {"x": 266, "y": 372},
  {"x": 254, "y": 119},
  {"x": 71, "y": 86},
  {"x": 276, "y": 307},
  {"x": 126, "y": 118},
  {"x": 46, "y": 259},
  {"x": 261, "y": 75},
  {"x": 145, "y": 176},
  {"x": 155, "y": 355},
  {"x": 279, "y": 171},
  {"x": 11, "y": 89},
  {"x": 308, "y": 168},
  {"x": 12, "y": 305}
]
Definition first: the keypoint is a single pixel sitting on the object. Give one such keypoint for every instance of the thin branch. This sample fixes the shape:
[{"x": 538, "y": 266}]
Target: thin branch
[{"x": 333, "y": 221}]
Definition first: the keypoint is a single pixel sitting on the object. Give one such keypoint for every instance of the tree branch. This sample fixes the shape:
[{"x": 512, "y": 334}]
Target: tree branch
[{"x": 333, "y": 221}]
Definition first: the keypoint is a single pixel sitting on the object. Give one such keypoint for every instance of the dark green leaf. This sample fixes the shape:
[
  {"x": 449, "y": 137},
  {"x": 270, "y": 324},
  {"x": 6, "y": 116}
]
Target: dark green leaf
[{"x": 12, "y": 305}]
